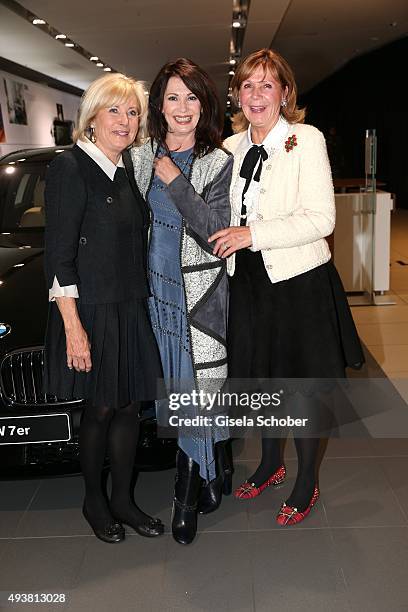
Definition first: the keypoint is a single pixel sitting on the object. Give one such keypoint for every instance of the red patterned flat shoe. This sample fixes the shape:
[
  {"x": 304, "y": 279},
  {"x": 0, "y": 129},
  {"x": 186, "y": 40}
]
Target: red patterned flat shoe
[
  {"x": 248, "y": 490},
  {"x": 291, "y": 516}
]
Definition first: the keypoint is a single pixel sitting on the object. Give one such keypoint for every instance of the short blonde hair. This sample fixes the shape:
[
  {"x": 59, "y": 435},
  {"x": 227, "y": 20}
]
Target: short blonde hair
[
  {"x": 279, "y": 68},
  {"x": 108, "y": 90}
]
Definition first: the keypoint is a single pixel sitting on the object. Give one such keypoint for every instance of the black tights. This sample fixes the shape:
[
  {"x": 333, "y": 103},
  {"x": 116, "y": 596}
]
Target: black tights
[
  {"x": 307, "y": 453},
  {"x": 104, "y": 429}
]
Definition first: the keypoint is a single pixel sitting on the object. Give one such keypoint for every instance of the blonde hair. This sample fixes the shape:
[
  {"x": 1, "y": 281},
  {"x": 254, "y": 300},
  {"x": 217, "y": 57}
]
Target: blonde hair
[
  {"x": 108, "y": 90},
  {"x": 279, "y": 68}
]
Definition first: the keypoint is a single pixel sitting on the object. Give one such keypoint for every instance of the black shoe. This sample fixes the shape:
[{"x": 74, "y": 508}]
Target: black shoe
[
  {"x": 186, "y": 493},
  {"x": 144, "y": 525},
  {"x": 211, "y": 493},
  {"x": 108, "y": 531}
]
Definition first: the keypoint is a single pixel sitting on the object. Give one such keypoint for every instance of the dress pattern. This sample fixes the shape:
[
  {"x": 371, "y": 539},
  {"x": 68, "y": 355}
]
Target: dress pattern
[{"x": 168, "y": 312}]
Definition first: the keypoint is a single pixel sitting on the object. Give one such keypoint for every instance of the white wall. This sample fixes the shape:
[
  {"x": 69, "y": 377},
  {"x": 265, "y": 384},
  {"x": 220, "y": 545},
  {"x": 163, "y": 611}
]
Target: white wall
[{"x": 40, "y": 102}]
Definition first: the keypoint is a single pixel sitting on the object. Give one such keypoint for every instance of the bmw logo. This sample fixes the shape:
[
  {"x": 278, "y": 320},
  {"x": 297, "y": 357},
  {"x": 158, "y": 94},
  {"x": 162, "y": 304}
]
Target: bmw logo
[{"x": 4, "y": 329}]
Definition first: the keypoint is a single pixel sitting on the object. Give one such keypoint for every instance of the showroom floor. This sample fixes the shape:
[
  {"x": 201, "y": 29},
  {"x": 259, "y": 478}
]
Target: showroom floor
[{"x": 349, "y": 555}]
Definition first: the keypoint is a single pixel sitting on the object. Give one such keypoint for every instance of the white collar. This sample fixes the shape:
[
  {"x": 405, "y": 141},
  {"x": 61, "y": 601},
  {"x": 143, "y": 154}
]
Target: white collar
[
  {"x": 275, "y": 136},
  {"x": 100, "y": 158}
]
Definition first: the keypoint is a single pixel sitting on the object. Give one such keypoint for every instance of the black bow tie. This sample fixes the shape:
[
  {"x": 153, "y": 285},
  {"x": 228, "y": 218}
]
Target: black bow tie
[{"x": 255, "y": 154}]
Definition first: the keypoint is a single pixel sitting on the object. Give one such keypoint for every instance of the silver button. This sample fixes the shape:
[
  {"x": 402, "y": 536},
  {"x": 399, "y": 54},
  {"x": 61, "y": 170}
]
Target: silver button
[
  {"x": 82, "y": 240},
  {"x": 263, "y": 190},
  {"x": 109, "y": 200},
  {"x": 268, "y": 167}
]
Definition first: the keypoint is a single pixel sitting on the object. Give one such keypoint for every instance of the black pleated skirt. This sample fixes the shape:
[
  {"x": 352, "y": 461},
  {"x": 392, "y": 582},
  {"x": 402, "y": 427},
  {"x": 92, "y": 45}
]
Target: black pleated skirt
[
  {"x": 297, "y": 328},
  {"x": 125, "y": 359}
]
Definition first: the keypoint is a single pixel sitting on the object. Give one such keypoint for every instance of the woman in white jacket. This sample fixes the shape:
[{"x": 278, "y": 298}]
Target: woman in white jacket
[{"x": 289, "y": 316}]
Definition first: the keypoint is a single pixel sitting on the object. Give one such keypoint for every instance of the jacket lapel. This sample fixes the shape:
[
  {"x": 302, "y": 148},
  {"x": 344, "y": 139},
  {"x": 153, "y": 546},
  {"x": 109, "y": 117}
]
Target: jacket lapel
[{"x": 127, "y": 160}]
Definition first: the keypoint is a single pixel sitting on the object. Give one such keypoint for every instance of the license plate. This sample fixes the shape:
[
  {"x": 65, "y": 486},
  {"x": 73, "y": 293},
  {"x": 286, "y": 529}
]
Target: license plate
[{"x": 35, "y": 429}]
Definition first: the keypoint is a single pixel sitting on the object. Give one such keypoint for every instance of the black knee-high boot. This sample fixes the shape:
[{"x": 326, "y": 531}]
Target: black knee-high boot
[
  {"x": 186, "y": 493},
  {"x": 211, "y": 493}
]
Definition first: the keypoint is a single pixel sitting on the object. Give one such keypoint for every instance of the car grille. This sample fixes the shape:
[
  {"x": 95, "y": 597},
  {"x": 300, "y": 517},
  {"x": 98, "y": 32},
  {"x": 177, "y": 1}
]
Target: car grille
[{"x": 21, "y": 379}]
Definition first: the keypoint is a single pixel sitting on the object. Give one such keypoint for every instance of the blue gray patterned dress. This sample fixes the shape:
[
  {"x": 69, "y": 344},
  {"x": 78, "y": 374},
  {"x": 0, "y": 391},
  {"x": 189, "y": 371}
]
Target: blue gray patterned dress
[{"x": 169, "y": 316}]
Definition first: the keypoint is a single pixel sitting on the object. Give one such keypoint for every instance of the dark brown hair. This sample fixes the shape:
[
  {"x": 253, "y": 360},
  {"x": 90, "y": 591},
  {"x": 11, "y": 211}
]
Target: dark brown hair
[
  {"x": 279, "y": 68},
  {"x": 209, "y": 127}
]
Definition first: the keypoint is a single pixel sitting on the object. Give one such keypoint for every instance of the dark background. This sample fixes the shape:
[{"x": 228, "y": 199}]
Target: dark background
[{"x": 369, "y": 92}]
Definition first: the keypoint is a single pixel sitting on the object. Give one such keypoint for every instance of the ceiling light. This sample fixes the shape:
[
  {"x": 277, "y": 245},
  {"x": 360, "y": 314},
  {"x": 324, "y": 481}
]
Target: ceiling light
[
  {"x": 10, "y": 170},
  {"x": 100, "y": 65},
  {"x": 236, "y": 24},
  {"x": 22, "y": 159},
  {"x": 38, "y": 22},
  {"x": 231, "y": 72},
  {"x": 228, "y": 103},
  {"x": 59, "y": 151},
  {"x": 94, "y": 58},
  {"x": 61, "y": 36},
  {"x": 107, "y": 69},
  {"x": 232, "y": 61},
  {"x": 69, "y": 44}
]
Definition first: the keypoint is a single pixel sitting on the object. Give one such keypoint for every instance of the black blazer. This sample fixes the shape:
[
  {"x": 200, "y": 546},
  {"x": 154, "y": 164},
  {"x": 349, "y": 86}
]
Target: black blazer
[{"x": 88, "y": 239}]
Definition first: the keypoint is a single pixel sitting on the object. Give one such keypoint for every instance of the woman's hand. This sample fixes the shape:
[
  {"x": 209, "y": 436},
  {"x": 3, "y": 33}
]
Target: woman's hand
[
  {"x": 231, "y": 239},
  {"x": 78, "y": 349},
  {"x": 165, "y": 169},
  {"x": 78, "y": 345}
]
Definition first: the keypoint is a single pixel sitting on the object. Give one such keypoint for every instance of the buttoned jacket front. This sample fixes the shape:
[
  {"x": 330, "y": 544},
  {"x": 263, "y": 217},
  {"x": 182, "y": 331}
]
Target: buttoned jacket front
[
  {"x": 90, "y": 242},
  {"x": 296, "y": 209}
]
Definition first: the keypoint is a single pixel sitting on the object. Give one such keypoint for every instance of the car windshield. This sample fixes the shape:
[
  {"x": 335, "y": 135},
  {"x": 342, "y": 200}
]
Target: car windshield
[{"x": 22, "y": 196}]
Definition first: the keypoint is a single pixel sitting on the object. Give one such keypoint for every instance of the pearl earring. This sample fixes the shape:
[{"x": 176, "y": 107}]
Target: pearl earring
[{"x": 284, "y": 103}]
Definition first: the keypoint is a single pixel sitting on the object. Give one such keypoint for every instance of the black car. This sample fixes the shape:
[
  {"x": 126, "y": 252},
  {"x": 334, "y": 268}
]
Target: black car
[{"x": 38, "y": 432}]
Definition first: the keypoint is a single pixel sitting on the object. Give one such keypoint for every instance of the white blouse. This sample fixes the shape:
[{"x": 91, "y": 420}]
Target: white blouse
[{"x": 273, "y": 141}]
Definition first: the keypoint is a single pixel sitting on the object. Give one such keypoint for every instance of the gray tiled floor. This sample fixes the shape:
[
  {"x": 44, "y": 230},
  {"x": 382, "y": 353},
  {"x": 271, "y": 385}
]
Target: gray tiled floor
[{"x": 349, "y": 555}]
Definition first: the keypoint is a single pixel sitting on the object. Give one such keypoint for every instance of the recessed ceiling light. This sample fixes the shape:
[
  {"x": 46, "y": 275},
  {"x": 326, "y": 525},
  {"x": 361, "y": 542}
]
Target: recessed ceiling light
[
  {"x": 107, "y": 69},
  {"x": 22, "y": 159},
  {"x": 59, "y": 150},
  {"x": 236, "y": 24},
  {"x": 61, "y": 36},
  {"x": 38, "y": 22},
  {"x": 99, "y": 64},
  {"x": 94, "y": 58},
  {"x": 10, "y": 170},
  {"x": 231, "y": 72},
  {"x": 69, "y": 44},
  {"x": 232, "y": 61}
]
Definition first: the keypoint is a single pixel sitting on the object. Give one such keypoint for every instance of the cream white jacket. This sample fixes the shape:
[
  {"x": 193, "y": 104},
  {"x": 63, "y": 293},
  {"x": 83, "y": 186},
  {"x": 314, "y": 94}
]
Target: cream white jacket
[{"x": 296, "y": 204}]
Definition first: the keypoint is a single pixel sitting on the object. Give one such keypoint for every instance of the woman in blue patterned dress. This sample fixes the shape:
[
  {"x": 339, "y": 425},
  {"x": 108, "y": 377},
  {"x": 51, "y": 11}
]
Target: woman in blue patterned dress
[{"x": 185, "y": 175}]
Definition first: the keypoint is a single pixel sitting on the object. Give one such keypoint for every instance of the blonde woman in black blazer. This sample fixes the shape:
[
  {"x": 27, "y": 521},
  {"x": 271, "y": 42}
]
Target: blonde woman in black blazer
[{"x": 99, "y": 343}]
